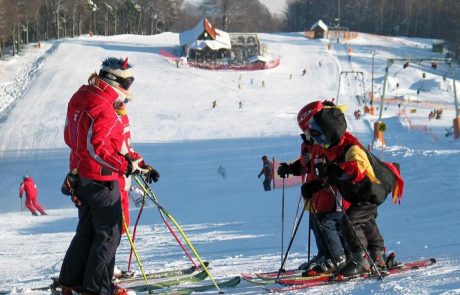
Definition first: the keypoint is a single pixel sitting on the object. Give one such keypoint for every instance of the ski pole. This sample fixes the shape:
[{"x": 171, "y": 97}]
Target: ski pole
[
  {"x": 134, "y": 231},
  {"x": 309, "y": 243},
  {"x": 296, "y": 220},
  {"x": 282, "y": 224},
  {"x": 169, "y": 226},
  {"x": 354, "y": 231},
  {"x": 292, "y": 240},
  {"x": 154, "y": 199},
  {"x": 134, "y": 248}
]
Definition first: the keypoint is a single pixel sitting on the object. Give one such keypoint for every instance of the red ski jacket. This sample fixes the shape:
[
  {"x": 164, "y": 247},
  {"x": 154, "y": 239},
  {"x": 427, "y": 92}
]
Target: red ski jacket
[
  {"x": 127, "y": 148},
  {"x": 324, "y": 200},
  {"x": 94, "y": 133},
  {"x": 28, "y": 186}
]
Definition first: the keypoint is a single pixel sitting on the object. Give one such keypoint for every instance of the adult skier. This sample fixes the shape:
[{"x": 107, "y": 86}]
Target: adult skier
[
  {"x": 267, "y": 170},
  {"x": 29, "y": 187},
  {"x": 361, "y": 179},
  {"x": 94, "y": 133}
]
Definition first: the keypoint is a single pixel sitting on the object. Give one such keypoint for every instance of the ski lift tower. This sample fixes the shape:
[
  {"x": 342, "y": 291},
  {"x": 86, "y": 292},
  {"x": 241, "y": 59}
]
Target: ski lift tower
[
  {"x": 357, "y": 73},
  {"x": 406, "y": 62}
]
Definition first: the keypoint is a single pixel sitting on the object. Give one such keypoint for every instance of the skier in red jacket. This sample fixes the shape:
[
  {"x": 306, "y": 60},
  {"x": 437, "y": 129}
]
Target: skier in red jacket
[
  {"x": 28, "y": 186},
  {"x": 94, "y": 133}
]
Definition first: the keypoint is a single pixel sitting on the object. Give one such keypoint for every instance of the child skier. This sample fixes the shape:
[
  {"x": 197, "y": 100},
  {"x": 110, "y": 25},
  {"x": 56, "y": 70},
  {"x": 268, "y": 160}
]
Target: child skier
[
  {"x": 359, "y": 177},
  {"x": 325, "y": 215}
]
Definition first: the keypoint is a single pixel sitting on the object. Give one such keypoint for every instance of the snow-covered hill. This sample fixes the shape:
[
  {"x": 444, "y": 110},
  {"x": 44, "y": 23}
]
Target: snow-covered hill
[{"x": 231, "y": 221}]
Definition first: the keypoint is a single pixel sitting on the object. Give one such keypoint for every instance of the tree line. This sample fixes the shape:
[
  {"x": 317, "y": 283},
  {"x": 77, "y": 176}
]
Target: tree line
[
  {"x": 24, "y": 21},
  {"x": 438, "y": 19}
]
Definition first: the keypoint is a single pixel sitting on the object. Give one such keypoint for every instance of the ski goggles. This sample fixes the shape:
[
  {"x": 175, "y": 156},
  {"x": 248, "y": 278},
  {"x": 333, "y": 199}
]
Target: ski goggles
[
  {"x": 125, "y": 83},
  {"x": 316, "y": 133}
]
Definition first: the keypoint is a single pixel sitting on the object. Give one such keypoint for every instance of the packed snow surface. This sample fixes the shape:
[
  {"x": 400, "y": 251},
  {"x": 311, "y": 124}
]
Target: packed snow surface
[{"x": 231, "y": 221}]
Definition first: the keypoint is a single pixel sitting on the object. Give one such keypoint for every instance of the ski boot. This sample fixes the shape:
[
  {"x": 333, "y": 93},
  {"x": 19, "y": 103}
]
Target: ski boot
[
  {"x": 311, "y": 262},
  {"x": 391, "y": 261},
  {"x": 325, "y": 266},
  {"x": 35, "y": 213},
  {"x": 379, "y": 258},
  {"x": 359, "y": 265}
]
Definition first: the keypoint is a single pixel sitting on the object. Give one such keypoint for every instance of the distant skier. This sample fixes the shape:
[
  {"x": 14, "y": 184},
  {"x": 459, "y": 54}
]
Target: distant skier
[
  {"x": 28, "y": 186},
  {"x": 304, "y": 72},
  {"x": 214, "y": 104},
  {"x": 240, "y": 104},
  {"x": 221, "y": 170},
  {"x": 267, "y": 172}
]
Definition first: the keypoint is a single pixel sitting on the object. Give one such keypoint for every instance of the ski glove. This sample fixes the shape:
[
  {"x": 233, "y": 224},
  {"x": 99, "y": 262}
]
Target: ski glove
[
  {"x": 321, "y": 170},
  {"x": 136, "y": 167},
  {"x": 331, "y": 172},
  {"x": 69, "y": 186},
  {"x": 152, "y": 175},
  {"x": 309, "y": 188},
  {"x": 284, "y": 170}
]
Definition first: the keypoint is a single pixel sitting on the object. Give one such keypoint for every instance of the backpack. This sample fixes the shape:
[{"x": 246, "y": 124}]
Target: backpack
[{"x": 386, "y": 175}]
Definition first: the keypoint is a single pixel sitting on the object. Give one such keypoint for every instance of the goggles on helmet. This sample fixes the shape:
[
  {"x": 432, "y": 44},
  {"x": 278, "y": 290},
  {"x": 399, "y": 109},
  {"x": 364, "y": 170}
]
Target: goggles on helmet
[{"x": 125, "y": 83}]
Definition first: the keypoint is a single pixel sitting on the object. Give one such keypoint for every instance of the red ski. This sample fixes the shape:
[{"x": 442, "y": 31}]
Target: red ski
[{"x": 298, "y": 283}]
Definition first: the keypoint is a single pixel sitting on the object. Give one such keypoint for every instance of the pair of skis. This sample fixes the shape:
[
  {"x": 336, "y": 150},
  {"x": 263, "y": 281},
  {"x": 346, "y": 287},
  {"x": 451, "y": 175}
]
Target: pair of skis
[{"x": 294, "y": 281}]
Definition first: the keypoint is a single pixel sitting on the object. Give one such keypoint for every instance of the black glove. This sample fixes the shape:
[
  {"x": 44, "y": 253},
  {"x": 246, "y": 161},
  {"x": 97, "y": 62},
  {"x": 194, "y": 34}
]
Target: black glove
[
  {"x": 308, "y": 189},
  {"x": 152, "y": 175},
  {"x": 321, "y": 170},
  {"x": 284, "y": 170},
  {"x": 135, "y": 167},
  {"x": 334, "y": 172}
]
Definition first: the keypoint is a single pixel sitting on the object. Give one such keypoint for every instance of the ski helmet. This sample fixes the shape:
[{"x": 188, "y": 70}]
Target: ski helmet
[
  {"x": 25, "y": 176},
  {"x": 306, "y": 114}
]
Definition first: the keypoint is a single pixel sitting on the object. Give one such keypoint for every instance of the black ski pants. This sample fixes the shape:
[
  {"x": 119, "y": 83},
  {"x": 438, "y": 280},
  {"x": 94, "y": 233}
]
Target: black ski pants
[
  {"x": 90, "y": 259},
  {"x": 363, "y": 228}
]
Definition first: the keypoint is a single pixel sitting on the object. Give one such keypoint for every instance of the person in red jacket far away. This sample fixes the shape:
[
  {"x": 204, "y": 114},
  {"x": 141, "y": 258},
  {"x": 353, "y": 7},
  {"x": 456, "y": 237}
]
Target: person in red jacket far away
[{"x": 28, "y": 186}]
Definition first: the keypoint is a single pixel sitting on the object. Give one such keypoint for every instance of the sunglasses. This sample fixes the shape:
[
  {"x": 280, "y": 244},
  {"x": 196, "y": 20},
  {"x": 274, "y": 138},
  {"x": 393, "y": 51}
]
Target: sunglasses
[{"x": 125, "y": 83}]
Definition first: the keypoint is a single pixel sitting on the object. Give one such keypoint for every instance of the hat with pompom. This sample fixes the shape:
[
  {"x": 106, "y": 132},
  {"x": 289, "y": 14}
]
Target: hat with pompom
[{"x": 118, "y": 73}]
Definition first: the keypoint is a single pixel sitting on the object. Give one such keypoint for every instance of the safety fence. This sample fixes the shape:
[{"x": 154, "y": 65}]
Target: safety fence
[
  {"x": 333, "y": 34},
  {"x": 417, "y": 128}
]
